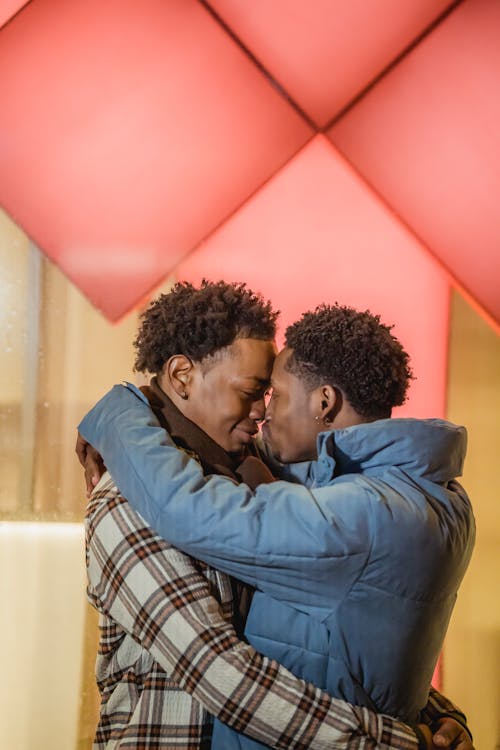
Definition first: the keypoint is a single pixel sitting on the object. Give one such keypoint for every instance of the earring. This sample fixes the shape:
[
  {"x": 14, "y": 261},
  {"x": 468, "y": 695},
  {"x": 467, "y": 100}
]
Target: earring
[
  {"x": 184, "y": 395},
  {"x": 325, "y": 420}
]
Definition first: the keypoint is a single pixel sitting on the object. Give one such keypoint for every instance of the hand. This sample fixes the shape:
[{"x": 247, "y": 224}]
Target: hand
[
  {"x": 91, "y": 461},
  {"x": 253, "y": 471},
  {"x": 427, "y": 735},
  {"x": 451, "y": 734}
]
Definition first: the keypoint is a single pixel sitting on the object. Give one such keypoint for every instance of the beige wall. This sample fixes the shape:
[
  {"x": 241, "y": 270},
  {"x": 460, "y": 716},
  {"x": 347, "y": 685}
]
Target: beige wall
[
  {"x": 472, "y": 651},
  {"x": 13, "y": 289},
  {"x": 42, "y": 620},
  {"x": 82, "y": 356},
  {"x": 58, "y": 356},
  {"x": 14, "y": 255}
]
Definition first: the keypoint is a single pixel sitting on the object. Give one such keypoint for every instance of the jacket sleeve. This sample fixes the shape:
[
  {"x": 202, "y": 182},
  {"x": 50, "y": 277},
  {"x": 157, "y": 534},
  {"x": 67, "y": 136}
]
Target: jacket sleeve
[
  {"x": 156, "y": 595},
  {"x": 268, "y": 538}
]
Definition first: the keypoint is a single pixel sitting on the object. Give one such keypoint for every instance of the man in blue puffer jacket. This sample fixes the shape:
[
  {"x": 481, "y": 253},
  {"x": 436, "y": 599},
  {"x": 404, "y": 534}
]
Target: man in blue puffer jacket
[{"x": 356, "y": 569}]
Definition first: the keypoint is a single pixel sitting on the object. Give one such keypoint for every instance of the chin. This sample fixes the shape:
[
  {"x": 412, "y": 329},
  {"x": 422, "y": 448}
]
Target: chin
[
  {"x": 277, "y": 453},
  {"x": 239, "y": 446},
  {"x": 285, "y": 457}
]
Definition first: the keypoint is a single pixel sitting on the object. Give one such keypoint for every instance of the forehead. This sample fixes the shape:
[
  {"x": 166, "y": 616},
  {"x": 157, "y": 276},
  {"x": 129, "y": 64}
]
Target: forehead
[
  {"x": 250, "y": 359},
  {"x": 279, "y": 371},
  {"x": 287, "y": 382}
]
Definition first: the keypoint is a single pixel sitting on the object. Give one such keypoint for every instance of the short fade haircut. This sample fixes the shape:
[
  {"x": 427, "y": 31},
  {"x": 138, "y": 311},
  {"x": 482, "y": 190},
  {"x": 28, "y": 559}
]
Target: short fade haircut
[
  {"x": 199, "y": 321},
  {"x": 354, "y": 352}
]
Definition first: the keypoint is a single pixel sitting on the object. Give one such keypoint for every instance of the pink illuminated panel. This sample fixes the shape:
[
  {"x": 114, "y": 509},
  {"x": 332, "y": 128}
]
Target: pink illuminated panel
[
  {"x": 315, "y": 233},
  {"x": 128, "y": 132},
  {"x": 427, "y": 137},
  {"x": 8, "y": 9},
  {"x": 325, "y": 52}
]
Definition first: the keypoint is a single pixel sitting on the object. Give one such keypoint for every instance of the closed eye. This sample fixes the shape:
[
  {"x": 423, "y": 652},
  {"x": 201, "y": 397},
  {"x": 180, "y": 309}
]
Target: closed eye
[{"x": 258, "y": 394}]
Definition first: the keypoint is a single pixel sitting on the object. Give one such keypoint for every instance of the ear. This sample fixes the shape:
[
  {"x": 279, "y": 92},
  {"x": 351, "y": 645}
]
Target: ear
[
  {"x": 178, "y": 370},
  {"x": 330, "y": 404}
]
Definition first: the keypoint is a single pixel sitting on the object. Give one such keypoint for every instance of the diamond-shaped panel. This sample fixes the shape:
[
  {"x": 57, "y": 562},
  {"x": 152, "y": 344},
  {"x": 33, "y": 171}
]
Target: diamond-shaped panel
[
  {"x": 315, "y": 233},
  {"x": 325, "y": 52},
  {"x": 428, "y": 138},
  {"x": 9, "y": 8},
  {"x": 128, "y": 132}
]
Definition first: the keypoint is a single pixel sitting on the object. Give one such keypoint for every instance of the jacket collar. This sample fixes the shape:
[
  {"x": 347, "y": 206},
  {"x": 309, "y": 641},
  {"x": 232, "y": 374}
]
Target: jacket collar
[{"x": 430, "y": 448}]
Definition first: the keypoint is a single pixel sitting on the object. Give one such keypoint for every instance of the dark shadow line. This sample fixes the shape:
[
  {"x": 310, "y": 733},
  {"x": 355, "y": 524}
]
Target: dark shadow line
[
  {"x": 404, "y": 53},
  {"x": 14, "y": 15},
  {"x": 259, "y": 65},
  {"x": 453, "y": 279}
]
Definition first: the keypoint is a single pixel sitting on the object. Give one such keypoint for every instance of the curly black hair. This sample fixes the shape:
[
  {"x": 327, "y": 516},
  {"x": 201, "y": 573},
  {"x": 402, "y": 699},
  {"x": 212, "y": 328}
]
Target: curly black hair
[
  {"x": 353, "y": 351},
  {"x": 199, "y": 321}
]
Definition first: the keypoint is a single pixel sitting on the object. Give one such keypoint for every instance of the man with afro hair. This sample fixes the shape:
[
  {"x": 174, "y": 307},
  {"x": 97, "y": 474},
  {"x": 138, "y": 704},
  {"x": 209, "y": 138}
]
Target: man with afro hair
[
  {"x": 358, "y": 557},
  {"x": 352, "y": 359}
]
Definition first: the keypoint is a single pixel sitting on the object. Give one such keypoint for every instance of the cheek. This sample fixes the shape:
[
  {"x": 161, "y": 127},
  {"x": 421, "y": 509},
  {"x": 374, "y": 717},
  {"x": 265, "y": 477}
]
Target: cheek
[
  {"x": 280, "y": 417},
  {"x": 227, "y": 410},
  {"x": 212, "y": 400},
  {"x": 239, "y": 409},
  {"x": 295, "y": 427}
]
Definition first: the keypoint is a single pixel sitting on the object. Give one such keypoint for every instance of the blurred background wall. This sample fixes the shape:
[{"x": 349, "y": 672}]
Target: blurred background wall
[{"x": 320, "y": 151}]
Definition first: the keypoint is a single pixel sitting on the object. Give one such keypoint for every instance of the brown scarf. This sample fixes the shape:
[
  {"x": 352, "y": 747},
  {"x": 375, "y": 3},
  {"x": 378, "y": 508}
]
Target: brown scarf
[
  {"x": 188, "y": 436},
  {"x": 213, "y": 459}
]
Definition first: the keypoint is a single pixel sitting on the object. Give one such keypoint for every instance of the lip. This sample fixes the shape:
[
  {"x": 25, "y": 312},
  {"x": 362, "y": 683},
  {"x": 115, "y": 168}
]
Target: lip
[{"x": 247, "y": 436}]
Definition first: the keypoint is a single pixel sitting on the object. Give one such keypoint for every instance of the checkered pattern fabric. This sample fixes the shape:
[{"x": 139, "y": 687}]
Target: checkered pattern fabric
[{"x": 168, "y": 653}]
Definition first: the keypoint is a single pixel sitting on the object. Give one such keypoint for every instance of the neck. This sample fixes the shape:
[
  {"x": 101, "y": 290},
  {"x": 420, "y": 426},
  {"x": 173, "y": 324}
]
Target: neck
[{"x": 349, "y": 417}]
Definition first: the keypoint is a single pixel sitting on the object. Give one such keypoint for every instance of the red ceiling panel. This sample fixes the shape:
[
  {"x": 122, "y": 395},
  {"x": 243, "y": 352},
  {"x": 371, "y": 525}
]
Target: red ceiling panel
[
  {"x": 428, "y": 138},
  {"x": 9, "y": 8},
  {"x": 325, "y": 52},
  {"x": 315, "y": 233},
  {"x": 128, "y": 132}
]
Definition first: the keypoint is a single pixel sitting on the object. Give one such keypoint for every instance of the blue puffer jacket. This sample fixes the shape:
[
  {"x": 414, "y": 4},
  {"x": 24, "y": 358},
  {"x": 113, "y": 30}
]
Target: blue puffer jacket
[{"x": 357, "y": 572}]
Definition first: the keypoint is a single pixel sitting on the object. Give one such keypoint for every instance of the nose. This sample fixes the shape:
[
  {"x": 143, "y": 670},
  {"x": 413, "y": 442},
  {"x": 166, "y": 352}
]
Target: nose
[
  {"x": 269, "y": 408},
  {"x": 258, "y": 410}
]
